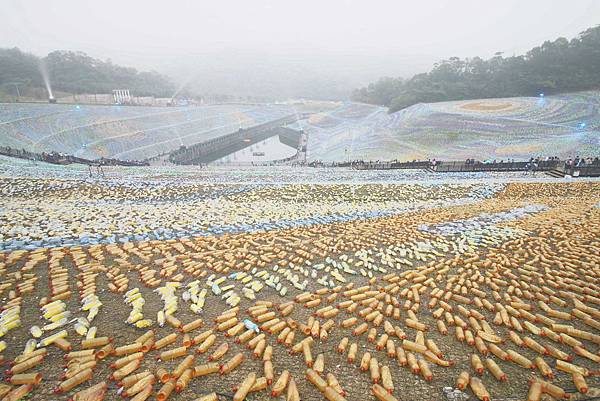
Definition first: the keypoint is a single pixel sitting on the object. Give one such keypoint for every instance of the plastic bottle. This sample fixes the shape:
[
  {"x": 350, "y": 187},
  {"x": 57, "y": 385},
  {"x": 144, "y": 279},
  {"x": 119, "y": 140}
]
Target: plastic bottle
[
  {"x": 268, "y": 354},
  {"x": 495, "y": 370},
  {"x": 202, "y": 336},
  {"x": 94, "y": 342},
  {"x": 316, "y": 380},
  {"x": 233, "y": 363},
  {"x": 292, "y": 391},
  {"x": 553, "y": 390},
  {"x": 206, "y": 369},
  {"x": 332, "y": 395},
  {"x": 462, "y": 381},
  {"x": 479, "y": 389},
  {"x": 35, "y": 331},
  {"x": 126, "y": 370},
  {"x": 183, "y": 366},
  {"x": 18, "y": 393},
  {"x": 535, "y": 391},
  {"x": 306, "y": 351},
  {"x": 586, "y": 354},
  {"x": 78, "y": 367},
  {"x": 477, "y": 364},
  {"x": 571, "y": 368},
  {"x": 25, "y": 378},
  {"x": 162, "y": 375},
  {"x": 163, "y": 342},
  {"x": 374, "y": 370},
  {"x": 172, "y": 354},
  {"x": 62, "y": 344},
  {"x": 148, "y": 344},
  {"x": 24, "y": 357},
  {"x": 280, "y": 384},
  {"x": 144, "y": 394},
  {"x": 94, "y": 393},
  {"x": 193, "y": 325},
  {"x": 173, "y": 321},
  {"x": 74, "y": 381},
  {"x": 235, "y": 330},
  {"x": 252, "y": 343},
  {"x": 26, "y": 365},
  {"x": 132, "y": 379},
  {"x": 245, "y": 336},
  {"x": 381, "y": 394},
  {"x": 128, "y": 349},
  {"x": 386, "y": 379},
  {"x": 414, "y": 347},
  {"x": 534, "y": 345},
  {"x": 432, "y": 346},
  {"x": 50, "y": 339},
  {"x": 424, "y": 369},
  {"x": 219, "y": 352},
  {"x": 580, "y": 382},
  {"x": 105, "y": 351},
  {"x": 244, "y": 387},
  {"x": 91, "y": 333},
  {"x": 412, "y": 363},
  {"x": 166, "y": 390},
  {"x": 543, "y": 367},
  {"x": 365, "y": 361},
  {"x": 206, "y": 344},
  {"x": 81, "y": 328},
  {"x": 183, "y": 380},
  {"x": 138, "y": 386},
  {"x": 119, "y": 363},
  {"x": 79, "y": 354}
]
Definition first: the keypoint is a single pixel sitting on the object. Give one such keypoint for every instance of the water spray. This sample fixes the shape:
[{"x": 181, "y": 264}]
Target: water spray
[{"x": 45, "y": 76}]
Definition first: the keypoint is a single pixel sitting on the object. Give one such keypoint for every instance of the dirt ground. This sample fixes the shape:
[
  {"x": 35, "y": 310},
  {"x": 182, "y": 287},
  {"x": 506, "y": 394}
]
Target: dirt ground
[{"x": 570, "y": 226}]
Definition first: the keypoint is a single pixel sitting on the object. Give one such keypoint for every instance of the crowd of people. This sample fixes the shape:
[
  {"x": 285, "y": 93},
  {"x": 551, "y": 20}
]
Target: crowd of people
[
  {"x": 532, "y": 165},
  {"x": 63, "y": 158},
  {"x": 582, "y": 161},
  {"x": 48, "y": 157}
]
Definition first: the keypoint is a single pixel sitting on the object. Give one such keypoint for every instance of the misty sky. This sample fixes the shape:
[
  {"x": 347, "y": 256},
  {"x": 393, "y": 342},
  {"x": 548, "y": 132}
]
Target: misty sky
[{"x": 355, "y": 40}]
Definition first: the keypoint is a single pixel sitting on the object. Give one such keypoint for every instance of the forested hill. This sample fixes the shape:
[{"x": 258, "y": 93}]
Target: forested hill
[
  {"x": 554, "y": 67},
  {"x": 76, "y": 72}
]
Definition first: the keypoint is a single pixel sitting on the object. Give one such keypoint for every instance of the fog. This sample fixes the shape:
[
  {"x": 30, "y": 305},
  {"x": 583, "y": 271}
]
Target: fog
[{"x": 288, "y": 48}]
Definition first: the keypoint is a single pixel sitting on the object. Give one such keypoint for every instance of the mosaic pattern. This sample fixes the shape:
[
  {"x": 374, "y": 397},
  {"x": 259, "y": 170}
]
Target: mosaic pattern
[
  {"x": 501, "y": 129},
  {"x": 127, "y": 133},
  {"x": 183, "y": 284}
]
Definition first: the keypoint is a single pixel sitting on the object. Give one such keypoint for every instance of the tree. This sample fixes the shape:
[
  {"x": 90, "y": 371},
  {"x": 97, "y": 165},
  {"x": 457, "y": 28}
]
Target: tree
[
  {"x": 77, "y": 72},
  {"x": 553, "y": 67}
]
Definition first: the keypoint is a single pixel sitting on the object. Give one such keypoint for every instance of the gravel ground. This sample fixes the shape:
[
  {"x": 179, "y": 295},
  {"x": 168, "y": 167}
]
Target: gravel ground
[{"x": 571, "y": 209}]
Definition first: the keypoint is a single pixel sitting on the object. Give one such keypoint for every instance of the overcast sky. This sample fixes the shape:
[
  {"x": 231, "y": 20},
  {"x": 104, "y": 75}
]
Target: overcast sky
[{"x": 372, "y": 38}]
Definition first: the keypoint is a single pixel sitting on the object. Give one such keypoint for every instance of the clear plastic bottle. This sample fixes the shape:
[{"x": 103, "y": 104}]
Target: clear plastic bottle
[{"x": 250, "y": 325}]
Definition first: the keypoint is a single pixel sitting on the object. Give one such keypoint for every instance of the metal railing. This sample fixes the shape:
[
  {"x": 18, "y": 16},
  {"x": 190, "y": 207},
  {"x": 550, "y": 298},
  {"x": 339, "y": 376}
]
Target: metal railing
[
  {"x": 590, "y": 170},
  {"x": 448, "y": 167},
  {"x": 61, "y": 158},
  {"x": 393, "y": 165},
  {"x": 459, "y": 166}
]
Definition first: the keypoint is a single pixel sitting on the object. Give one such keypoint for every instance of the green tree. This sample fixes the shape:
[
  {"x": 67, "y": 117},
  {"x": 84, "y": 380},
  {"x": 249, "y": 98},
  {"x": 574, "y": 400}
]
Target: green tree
[
  {"x": 77, "y": 72},
  {"x": 553, "y": 67}
]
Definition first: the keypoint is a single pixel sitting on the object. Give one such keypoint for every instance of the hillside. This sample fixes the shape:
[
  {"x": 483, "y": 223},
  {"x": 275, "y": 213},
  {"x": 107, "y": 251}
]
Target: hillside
[
  {"x": 484, "y": 129},
  {"x": 21, "y": 75},
  {"x": 123, "y": 132}
]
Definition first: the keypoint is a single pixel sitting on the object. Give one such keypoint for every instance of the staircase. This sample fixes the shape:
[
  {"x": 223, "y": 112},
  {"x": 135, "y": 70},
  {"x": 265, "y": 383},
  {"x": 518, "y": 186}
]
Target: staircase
[{"x": 555, "y": 173}]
